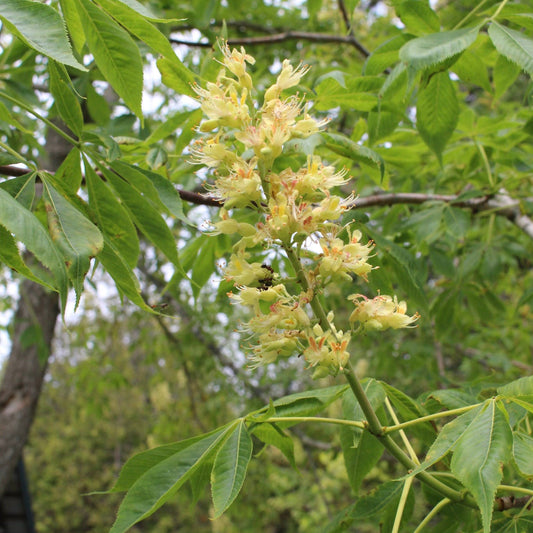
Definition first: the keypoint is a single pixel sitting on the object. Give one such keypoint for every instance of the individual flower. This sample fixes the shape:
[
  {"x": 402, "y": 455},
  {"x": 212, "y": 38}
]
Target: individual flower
[
  {"x": 340, "y": 258},
  {"x": 224, "y": 105},
  {"x": 288, "y": 77},
  {"x": 235, "y": 61},
  {"x": 241, "y": 187},
  {"x": 274, "y": 344},
  {"x": 328, "y": 349},
  {"x": 212, "y": 153},
  {"x": 241, "y": 272},
  {"x": 382, "y": 312},
  {"x": 317, "y": 178}
]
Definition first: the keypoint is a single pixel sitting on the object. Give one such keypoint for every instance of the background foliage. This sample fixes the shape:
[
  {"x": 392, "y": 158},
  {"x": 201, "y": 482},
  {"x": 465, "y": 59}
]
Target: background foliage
[{"x": 434, "y": 127}]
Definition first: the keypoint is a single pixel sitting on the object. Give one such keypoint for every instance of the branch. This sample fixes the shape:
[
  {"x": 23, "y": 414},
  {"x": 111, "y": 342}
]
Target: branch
[
  {"x": 282, "y": 37},
  {"x": 502, "y": 204}
]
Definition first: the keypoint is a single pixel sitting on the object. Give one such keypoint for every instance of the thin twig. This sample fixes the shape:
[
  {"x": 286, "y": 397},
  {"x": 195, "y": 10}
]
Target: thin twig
[{"x": 282, "y": 37}]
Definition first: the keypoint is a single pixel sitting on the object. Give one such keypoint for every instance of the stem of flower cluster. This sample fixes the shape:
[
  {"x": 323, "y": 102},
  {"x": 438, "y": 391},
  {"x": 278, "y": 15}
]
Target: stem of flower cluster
[{"x": 373, "y": 423}]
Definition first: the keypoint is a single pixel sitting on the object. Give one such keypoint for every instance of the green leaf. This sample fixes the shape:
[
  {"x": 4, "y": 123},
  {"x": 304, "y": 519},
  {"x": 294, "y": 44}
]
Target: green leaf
[
  {"x": 156, "y": 157},
  {"x": 27, "y": 229},
  {"x": 521, "y": 388},
  {"x": 471, "y": 69},
  {"x": 65, "y": 100},
  {"x": 437, "y": 111},
  {"x": 345, "y": 147},
  {"x": 112, "y": 218},
  {"x": 41, "y": 27},
  {"x": 21, "y": 188},
  {"x": 74, "y": 23},
  {"x": 10, "y": 256},
  {"x": 385, "y": 495},
  {"x": 405, "y": 268},
  {"x": 355, "y": 96},
  {"x": 270, "y": 433},
  {"x": 69, "y": 173},
  {"x": 408, "y": 409},
  {"x": 176, "y": 76},
  {"x": 360, "y": 455},
  {"x": 146, "y": 12},
  {"x": 504, "y": 74},
  {"x": 230, "y": 467},
  {"x": 514, "y": 45},
  {"x": 424, "y": 52},
  {"x": 453, "y": 398},
  {"x": 76, "y": 236},
  {"x": 168, "y": 195},
  {"x": 446, "y": 439},
  {"x": 140, "y": 463},
  {"x": 202, "y": 270},
  {"x": 523, "y": 453},
  {"x": 144, "y": 214},
  {"x": 418, "y": 17},
  {"x": 309, "y": 402},
  {"x": 135, "y": 22},
  {"x": 168, "y": 127},
  {"x": 385, "y": 55},
  {"x": 479, "y": 454},
  {"x": 115, "y": 53},
  {"x": 158, "y": 484}
]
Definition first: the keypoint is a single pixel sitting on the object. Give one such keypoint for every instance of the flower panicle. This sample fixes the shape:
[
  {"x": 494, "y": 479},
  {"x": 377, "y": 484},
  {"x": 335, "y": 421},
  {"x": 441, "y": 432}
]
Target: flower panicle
[{"x": 243, "y": 143}]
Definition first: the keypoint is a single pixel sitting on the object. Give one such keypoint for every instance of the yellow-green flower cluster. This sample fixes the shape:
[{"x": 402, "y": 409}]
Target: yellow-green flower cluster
[{"x": 244, "y": 141}]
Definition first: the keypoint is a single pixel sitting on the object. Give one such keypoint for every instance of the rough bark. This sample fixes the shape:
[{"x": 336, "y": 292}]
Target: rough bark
[
  {"x": 34, "y": 320},
  {"x": 23, "y": 377}
]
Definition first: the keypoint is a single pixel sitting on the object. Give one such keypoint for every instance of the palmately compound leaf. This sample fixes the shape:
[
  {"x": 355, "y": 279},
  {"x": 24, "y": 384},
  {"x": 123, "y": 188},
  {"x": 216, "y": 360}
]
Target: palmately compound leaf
[
  {"x": 429, "y": 50},
  {"x": 229, "y": 469},
  {"x": 514, "y": 45},
  {"x": 479, "y": 454}
]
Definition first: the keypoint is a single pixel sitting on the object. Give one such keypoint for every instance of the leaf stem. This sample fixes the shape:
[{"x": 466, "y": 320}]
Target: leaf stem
[
  {"x": 340, "y": 421},
  {"x": 469, "y": 14},
  {"x": 405, "y": 440},
  {"x": 510, "y": 488},
  {"x": 497, "y": 12},
  {"x": 486, "y": 163},
  {"x": 434, "y": 416},
  {"x": 49, "y": 123},
  {"x": 14, "y": 153},
  {"x": 431, "y": 514},
  {"x": 401, "y": 505}
]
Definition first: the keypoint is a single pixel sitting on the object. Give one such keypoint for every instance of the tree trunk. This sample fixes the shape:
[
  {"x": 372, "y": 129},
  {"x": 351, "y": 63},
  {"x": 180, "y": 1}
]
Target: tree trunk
[
  {"x": 34, "y": 324},
  {"x": 33, "y": 331}
]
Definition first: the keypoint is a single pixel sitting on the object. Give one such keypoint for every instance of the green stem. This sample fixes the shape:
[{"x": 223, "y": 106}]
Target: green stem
[
  {"x": 431, "y": 514},
  {"x": 510, "y": 488},
  {"x": 486, "y": 162},
  {"x": 470, "y": 13},
  {"x": 434, "y": 416},
  {"x": 50, "y": 124},
  {"x": 497, "y": 12},
  {"x": 374, "y": 425},
  {"x": 14, "y": 153},
  {"x": 340, "y": 421},
  {"x": 401, "y": 505}
]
